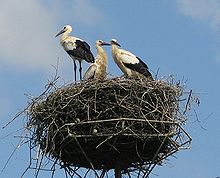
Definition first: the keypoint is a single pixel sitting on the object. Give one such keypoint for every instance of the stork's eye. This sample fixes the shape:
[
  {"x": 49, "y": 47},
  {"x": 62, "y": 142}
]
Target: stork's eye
[{"x": 64, "y": 28}]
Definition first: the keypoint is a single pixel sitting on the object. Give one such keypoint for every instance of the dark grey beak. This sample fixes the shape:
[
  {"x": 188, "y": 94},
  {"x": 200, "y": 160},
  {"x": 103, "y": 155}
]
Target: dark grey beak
[
  {"x": 62, "y": 31},
  {"x": 105, "y": 44}
]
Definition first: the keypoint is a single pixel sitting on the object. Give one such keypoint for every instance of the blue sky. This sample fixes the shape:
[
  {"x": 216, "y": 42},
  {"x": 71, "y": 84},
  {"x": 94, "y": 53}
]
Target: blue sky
[{"x": 180, "y": 37}]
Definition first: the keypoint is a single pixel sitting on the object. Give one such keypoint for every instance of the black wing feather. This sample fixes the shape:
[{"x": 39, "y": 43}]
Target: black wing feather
[
  {"x": 83, "y": 45},
  {"x": 82, "y": 51},
  {"x": 140, "y": 67}
]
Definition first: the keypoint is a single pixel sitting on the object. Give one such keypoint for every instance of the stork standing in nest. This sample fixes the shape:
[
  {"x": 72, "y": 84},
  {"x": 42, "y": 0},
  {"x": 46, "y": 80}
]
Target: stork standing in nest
[
  {"x": 77, "y": 48},
  {"x": 131, "y": 65},
  {"x": 97, "y": 70}
]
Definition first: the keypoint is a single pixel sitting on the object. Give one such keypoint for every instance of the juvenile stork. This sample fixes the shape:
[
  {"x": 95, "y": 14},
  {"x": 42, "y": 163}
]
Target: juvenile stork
[
  {"x": 131, "y": 65},
  {"x": 97, "y": 70},
  {"x": 77, "y": 48}
]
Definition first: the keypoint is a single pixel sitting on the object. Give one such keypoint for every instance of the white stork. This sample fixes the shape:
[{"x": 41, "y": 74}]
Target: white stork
[
  {"x": 77, "y": 48},
  {"x": 130, "y": 65},
  {"x": 97, "y": 70}
]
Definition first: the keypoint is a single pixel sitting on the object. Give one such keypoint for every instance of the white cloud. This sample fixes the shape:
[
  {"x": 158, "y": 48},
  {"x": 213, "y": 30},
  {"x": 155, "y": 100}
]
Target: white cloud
[
  {"x": 28, "y": 28},
  {"x": 26, "y": 33},
  {"x": 203, "y": 10}
]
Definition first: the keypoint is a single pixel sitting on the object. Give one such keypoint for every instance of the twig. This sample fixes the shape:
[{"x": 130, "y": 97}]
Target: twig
[{"x": 188, "y": 102}]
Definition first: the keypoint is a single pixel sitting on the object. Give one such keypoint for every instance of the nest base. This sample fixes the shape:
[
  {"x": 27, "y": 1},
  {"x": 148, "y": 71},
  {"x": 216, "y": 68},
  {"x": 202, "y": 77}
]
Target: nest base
[{"x": 101, "y": 125}]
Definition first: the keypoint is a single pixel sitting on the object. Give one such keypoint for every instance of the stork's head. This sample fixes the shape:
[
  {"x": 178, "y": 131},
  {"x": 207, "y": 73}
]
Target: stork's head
[
  {"x": 114, "y": 42},
  {"x": 101, "y": 43},
  {"x": 66, "y": 28}
]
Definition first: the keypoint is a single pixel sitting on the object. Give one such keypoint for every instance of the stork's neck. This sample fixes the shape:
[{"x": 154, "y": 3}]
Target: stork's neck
[
  {"x": 101, "y": 52},
  {"x": 114, "y": 49},
  {"x": 64, "y": 36}
]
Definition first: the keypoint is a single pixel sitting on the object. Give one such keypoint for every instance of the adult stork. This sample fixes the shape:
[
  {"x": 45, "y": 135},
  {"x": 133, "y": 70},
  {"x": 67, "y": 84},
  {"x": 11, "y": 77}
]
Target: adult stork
[
  {"x": 97, "y": 70},
  {"x": 77, "y": 48},
  {"x": 131, "y": 65}
]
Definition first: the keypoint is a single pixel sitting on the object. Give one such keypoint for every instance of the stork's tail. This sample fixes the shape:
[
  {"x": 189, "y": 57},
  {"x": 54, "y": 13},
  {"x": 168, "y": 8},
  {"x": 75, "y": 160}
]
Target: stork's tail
[{"x": 148, "y": 75}]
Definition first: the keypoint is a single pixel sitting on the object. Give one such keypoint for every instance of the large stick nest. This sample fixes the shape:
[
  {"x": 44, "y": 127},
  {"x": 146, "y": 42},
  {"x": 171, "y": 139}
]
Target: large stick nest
[{"x": 100, "y": 124}]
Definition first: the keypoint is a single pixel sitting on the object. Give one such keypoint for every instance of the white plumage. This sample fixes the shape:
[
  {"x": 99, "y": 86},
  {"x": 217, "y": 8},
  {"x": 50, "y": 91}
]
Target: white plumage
[
  {"x": 130, "y": 65},
  {"x": 128, "y": 57},
  {"x": 98, "y": 69},
  {"x": 77, "y": 48}
]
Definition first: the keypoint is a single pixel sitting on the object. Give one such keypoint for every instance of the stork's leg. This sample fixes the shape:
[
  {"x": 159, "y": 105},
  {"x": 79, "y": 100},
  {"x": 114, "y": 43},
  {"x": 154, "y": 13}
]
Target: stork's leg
[
  {"x": 74, "y": 63},
  {"x": 80, "y": 69}
]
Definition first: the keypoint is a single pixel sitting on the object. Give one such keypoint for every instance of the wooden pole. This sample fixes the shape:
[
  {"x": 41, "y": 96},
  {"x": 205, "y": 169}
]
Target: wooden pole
[{"x": 117, "y": 168}]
